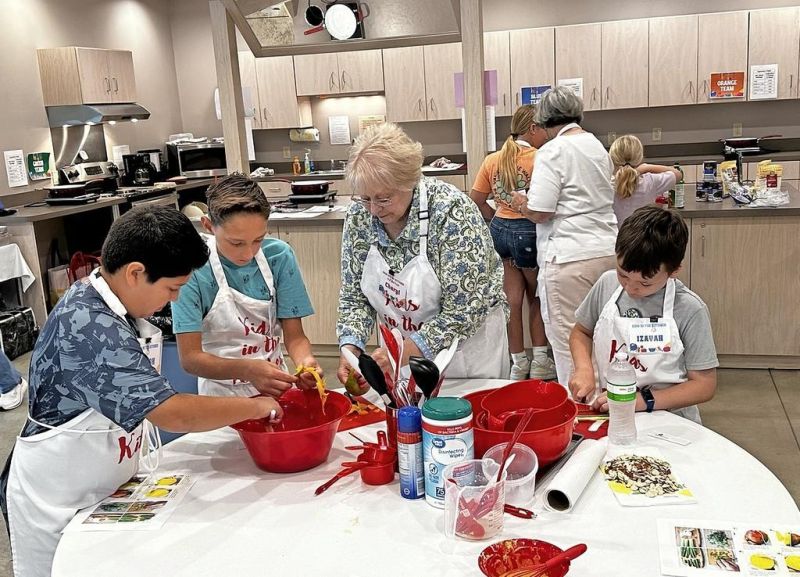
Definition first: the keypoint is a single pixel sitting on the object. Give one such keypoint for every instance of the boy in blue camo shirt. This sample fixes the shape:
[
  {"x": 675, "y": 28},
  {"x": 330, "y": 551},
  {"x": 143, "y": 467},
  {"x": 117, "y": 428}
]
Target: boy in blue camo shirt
[{"x": 93, "y": 389}]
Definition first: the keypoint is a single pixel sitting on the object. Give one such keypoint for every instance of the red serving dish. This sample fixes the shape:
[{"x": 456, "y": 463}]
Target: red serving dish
[
  {"x": 504, "y": 556},
  {"x": 303, "y": 439},
  {"x": 549, "y": 440}
]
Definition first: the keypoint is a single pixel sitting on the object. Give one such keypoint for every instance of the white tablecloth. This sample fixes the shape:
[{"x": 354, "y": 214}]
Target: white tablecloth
[
  {"x": 238, "y": 520},
  {"x": 12, "y": 265}
]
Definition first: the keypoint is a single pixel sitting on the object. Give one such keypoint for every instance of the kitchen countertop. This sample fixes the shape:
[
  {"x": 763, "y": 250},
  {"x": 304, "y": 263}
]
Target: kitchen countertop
[
  {"x": 339, "y": 175},
  {"x": 36, "y": 213},
  {"x": 727, "y": 207}
]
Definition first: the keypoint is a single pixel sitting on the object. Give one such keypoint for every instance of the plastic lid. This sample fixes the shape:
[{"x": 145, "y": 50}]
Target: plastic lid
[
  {"x": 409, "y": 420},
  {"x": 446, "y": 408},
  {"x": 621, "y": 356}
]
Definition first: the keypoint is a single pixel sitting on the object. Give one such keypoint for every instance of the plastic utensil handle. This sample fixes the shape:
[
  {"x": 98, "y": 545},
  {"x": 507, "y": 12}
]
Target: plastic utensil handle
[
  {"x": 514, "y": 438},
  {"x": 567, "y": 555},
  {"x": 343, "y": 473},
  {"x": 519, "y": 512}
]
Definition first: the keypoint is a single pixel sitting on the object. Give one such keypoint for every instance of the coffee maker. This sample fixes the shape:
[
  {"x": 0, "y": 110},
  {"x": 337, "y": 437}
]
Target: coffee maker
[{"x": 139, "y": 171}]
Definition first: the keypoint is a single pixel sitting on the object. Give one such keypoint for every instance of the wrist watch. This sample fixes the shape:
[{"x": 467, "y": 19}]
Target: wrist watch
[{"x": 649, "y": 399}]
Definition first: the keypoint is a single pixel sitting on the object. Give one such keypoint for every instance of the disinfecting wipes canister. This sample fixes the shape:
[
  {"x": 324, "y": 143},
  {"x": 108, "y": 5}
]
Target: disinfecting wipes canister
[{"x": 447, "y": 438}]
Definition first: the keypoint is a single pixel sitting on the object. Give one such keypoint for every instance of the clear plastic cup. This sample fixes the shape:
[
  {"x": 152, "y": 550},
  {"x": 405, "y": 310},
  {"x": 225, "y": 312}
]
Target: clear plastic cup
[
  {"x": 473, "y": 499},
  {"x": 520, "y": 474}
]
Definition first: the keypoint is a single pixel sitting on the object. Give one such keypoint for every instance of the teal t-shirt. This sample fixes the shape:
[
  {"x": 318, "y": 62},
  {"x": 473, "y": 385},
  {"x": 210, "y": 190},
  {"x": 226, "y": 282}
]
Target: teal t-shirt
[{"x": 197, "y": 295}]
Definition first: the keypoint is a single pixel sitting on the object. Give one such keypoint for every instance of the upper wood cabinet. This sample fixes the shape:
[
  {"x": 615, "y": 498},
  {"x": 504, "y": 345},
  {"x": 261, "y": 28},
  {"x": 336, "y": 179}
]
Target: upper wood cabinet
[
  {"x": 775, "y": 39},
  {"x": 625, "y": 66},
  {"x": 442, "y": 61},
  {"x": 420, "y": 83},
  {"x": 338, "y": 73},
  {"x": 578, "y": 50},
  {"x": 533, "y": 61},
  {"x": 271, "y": 82},
  {"x": 721, "y": 47},
  {"x": 496, "y": 57},
  {"x": 404, "y": 80},
  {"x": 73, "y": 75},
  {"x": 672, "y": 68}
]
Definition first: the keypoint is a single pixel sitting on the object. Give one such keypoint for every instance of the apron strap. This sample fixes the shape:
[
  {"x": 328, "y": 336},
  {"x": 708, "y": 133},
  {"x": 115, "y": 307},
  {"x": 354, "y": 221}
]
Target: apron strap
[
  {"x": 75, "y": 420},
  {"x": 151, "y": 447},
  {"x": 424, "y": 216},
  {"x": 216, "y": 265},
  {"x": 266, "y": 272},
  {"x": 567, "y": 128},
  {"x": 105, "y": 292},
  {"x": 669, "y": 298}
]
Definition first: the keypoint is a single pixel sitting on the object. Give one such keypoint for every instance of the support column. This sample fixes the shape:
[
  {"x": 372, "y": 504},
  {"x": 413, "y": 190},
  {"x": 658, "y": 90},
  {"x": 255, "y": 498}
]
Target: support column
[{"x": 474, "y": 111}]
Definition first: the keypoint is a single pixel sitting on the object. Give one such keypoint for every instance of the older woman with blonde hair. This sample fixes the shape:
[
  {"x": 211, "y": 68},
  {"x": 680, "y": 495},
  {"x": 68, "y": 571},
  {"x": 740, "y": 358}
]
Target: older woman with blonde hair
[
  {"x": 417, "y": 256},
  {"x": 571, "y": 200}
]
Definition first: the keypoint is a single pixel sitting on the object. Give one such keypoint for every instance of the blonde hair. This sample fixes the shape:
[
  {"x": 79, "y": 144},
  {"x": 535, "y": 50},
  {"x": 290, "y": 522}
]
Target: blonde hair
[
  {"x": 626, "y": 153},
  {"x": 521, "y": 123},
  {"x": 384, "y": 157}
]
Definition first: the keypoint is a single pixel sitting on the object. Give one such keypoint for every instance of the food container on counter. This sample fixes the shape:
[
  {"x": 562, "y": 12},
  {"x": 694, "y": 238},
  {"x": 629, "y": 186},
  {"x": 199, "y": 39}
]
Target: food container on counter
[
  {"x": 520, "y": 474},
  {"x": 474, "y": 499},
  {"x": 510, "y": 402},
  {"x": 505, "y": 556}
]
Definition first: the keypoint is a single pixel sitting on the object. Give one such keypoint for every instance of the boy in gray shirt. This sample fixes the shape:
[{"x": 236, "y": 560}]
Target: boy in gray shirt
[{"x": 643, "y": 310}]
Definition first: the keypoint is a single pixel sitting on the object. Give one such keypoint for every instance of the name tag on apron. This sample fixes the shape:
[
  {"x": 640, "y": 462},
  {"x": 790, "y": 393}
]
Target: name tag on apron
[
  {"x": 647, "y": 337},
  {"x": 394, "y": 291}
]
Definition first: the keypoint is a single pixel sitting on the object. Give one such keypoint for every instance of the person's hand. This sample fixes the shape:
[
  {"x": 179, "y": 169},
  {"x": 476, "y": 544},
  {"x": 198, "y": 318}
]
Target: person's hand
[
  {"x": 601, "y": 403},
  {"x": 582, "y": 385},
  {"x": 269, "y": 379},
  {"x": 264, "y": 407},
  {"x": 343, "y": 373},
  {"x": 381, "y": 357},
  {"x": 306, "y": 381},
  {"x": 519, "y": 200}
]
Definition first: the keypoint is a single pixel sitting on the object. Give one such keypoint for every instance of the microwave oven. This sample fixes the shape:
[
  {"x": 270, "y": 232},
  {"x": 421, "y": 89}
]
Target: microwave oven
[{"x": 197, "y": 160}]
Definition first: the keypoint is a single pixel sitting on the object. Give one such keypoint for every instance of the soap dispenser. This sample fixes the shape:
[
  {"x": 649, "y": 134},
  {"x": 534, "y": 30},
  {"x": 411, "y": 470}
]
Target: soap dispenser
[
  {"x": 296, "y": 168},
  {"x": 307, "y": 161}
]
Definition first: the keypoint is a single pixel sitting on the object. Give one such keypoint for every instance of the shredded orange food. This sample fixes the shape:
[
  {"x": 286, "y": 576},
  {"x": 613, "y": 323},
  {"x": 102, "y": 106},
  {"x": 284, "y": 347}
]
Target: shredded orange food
[{"x": 323, "y": 394}]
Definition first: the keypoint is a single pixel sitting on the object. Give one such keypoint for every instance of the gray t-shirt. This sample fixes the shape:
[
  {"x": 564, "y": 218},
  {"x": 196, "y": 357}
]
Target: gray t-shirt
[{"x": 690, "y": 313}]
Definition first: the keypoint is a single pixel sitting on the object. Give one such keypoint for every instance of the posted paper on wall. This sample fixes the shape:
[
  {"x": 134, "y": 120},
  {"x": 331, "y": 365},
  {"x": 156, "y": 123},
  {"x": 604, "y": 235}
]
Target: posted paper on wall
[
  {"x": 491, "y": 130},
  {"x": 339, "y": 129},
  {"x": 575, "y": 83},
  {"x": 365, "y": 122},
  {"x": 15, "y": 168},
  {"x": 763, "y": 81}
]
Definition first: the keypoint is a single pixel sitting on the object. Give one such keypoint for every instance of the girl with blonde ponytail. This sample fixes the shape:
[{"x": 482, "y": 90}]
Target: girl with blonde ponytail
[
  {"x": 501, "y": 174},
  {"x": 637, "y": 184}
]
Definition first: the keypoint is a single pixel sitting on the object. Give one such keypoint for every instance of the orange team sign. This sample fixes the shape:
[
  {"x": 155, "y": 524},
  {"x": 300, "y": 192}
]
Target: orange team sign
[{"x": 727, "y": 85}]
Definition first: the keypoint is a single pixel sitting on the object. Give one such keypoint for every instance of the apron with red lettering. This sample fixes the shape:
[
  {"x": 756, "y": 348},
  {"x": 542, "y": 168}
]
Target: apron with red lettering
[
  {"x": 240, "y": 327},
  {"x": 407, "y": 298}
]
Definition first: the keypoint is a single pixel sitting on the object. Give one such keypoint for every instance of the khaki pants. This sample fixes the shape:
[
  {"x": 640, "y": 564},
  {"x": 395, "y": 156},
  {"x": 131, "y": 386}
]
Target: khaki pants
[{"x": 566, "y": 285}]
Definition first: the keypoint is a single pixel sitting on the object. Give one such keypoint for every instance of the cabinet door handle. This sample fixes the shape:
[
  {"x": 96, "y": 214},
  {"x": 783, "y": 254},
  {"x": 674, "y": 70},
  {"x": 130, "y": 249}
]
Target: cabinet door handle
[
  {"x": 608, "y": 93},
  {"x": 433, "y": 105},
  {"x": 330, "y": 82},
  {"x": 419, "y": 104},
  {"x": 516, "y": 98},
  {"x": 116, "y": 86},
  {"x": 108, "y": 84},
  {"x": 504, "y": 99},
  {"x": 691, "y": 88},
  {"x": 266, "y": 116},
  {"x": 703, "y": 246},
  {"x": 791, "y": 80}
]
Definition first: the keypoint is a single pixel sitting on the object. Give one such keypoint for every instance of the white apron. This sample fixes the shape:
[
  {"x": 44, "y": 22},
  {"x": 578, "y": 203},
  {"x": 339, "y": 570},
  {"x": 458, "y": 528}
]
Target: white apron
[
  {"x": 240, "y": 327},
  {"x": 405, "y": 299},
  {"x": 93, "y": 457},
  {"x": 644, "y": 341},
  {"x": 545, "y": 232}
]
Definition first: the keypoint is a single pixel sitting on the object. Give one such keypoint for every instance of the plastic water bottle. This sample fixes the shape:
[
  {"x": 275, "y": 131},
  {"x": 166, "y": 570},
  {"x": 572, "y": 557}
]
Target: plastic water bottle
[{"x": 621, "y": 389}]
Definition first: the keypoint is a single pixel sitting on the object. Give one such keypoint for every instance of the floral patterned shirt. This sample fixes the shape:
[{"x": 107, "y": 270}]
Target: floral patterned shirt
[{"x": 460, "y": 250}]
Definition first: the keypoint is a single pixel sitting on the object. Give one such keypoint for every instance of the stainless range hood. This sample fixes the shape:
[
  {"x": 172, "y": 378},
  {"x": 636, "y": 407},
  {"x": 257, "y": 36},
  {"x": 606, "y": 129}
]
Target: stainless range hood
[{"x": 77, "y": 114}]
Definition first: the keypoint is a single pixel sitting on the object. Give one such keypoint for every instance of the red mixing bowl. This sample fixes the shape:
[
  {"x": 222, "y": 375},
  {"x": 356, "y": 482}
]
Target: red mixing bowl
[
  {"x": 509, "y": 400},
  {"x": 504, "y": 556},
  {"x": 303, "y": 439},
  {"x": 549, "y": 441}
]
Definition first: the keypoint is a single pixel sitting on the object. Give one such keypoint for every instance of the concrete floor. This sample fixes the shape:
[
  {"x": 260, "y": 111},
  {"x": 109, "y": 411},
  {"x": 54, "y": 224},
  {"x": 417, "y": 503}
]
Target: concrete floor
[{"x": 757, "y": 409}]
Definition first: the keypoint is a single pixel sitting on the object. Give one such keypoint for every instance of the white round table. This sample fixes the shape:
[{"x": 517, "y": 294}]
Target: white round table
[{"x": 239, "y": 520}]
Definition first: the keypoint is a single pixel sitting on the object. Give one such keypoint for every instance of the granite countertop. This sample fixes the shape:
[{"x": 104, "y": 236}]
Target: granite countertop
[{"x": 728, "y": 207}]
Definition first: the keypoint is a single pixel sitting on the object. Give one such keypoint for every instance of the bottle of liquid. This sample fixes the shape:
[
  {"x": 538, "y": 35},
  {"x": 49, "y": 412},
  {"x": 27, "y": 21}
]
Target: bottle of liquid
[
  {"x": 307, "y": 161},
  {"x": 296, "y": 168},
  {"x": 621, "y": 388},
  {"x": 409, "y": 453},
  {"x": 680, "y": 190}
]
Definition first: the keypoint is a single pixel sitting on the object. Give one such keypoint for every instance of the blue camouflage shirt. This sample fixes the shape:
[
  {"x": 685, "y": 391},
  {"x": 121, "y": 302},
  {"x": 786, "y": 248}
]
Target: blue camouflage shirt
[{"x": 88, "y": 357}]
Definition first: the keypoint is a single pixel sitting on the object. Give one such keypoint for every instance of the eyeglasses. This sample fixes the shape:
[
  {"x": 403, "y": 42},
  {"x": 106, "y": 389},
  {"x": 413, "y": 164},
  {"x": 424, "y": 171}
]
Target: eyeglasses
[{"x": 367, "y": 202}]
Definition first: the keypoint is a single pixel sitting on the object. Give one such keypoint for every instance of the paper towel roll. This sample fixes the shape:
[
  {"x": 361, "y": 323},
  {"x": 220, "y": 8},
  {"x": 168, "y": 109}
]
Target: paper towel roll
[{"x": 566, "y": 487}]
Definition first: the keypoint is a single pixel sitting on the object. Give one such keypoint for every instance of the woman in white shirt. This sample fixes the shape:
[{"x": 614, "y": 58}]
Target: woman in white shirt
[{"x": 571, "y": 200}]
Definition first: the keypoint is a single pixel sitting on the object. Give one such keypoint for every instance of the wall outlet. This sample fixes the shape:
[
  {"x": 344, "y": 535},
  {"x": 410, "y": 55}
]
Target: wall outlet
[
  {"x": 612, "y": 136},
  {"x": 287, "y": 152},
  {"x": 656, "y": 135},
  {"x": 737, "y": 129}
]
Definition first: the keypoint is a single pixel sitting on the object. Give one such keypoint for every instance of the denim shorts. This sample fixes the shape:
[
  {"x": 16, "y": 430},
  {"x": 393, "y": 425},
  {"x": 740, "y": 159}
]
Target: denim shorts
[{"x": 515, "y": 239}]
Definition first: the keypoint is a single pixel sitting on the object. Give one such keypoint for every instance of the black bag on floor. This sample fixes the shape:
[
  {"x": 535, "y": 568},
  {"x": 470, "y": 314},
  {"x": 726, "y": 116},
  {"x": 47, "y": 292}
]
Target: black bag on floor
[{"x": 18, "y": 332}]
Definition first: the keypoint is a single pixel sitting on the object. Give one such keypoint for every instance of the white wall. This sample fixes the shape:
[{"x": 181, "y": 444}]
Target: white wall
[{"x": 141, "y": 26}]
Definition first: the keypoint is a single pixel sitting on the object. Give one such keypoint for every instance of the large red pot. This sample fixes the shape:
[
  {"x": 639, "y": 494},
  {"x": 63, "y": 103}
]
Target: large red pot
[{"x": 303, "y": 439}]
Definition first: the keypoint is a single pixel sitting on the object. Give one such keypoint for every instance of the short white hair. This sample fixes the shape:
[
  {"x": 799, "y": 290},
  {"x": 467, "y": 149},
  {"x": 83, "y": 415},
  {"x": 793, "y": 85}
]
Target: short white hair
[
  {"x": 384, "y": 156},
  {"x": 559, "y": 105}
]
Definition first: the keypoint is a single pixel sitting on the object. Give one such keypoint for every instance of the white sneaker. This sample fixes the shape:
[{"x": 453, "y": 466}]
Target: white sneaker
[
  {"x": 13, "y": 398},
  {"x": 543, "y": 370},
  {"x": 519, "y": 372}
]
